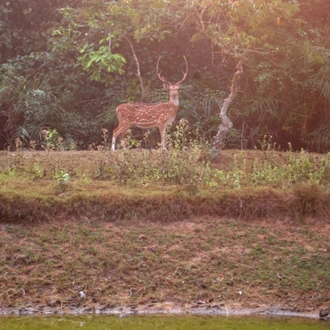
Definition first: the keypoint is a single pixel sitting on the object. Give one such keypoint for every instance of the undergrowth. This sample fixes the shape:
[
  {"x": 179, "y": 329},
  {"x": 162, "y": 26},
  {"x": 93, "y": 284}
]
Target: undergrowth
[
  {"x": 185, "y": 162},
  {"x": 176, "y": 183}
]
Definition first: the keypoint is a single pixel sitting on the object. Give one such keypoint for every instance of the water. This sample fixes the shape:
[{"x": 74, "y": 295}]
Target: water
[{"x": 159, "y": 322}]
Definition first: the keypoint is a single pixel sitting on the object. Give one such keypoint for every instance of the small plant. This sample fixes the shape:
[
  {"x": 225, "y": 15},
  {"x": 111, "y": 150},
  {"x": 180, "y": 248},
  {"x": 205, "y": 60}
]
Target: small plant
[
  {"x": 266, "y": 144},
  {"x": 12, "y": 171},
  {"x": 62, "y": 177},
  {"x": 36, "y": 171},
  {"x": 18, "y": 144},
  {"x": 52, "y": 140},
  {"x": 181, "y": 134},
  {"x": 105, "y": 137},
  {"x": 128, "y": 142}
]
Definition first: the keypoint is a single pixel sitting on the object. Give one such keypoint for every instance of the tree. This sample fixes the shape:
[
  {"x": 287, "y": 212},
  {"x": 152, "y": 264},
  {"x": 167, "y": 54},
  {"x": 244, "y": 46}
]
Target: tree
[
  {"x": 226, "y": 124},
  {"x": 239, "y": 29}
]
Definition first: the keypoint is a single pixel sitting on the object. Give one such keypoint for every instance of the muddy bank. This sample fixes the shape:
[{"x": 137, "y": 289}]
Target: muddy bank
[{"x": 169, "y": 310}]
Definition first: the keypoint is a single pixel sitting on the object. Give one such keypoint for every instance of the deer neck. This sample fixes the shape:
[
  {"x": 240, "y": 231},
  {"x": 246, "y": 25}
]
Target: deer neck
[{"x": 174, "y": 101}]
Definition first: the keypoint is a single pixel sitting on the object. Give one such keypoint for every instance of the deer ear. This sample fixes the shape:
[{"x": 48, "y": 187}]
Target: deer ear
[{"x": 166, "y": 85}]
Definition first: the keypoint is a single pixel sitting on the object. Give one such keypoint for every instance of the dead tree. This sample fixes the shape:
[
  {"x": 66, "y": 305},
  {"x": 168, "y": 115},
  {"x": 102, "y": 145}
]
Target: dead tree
[{"x": 226, "y": 123}]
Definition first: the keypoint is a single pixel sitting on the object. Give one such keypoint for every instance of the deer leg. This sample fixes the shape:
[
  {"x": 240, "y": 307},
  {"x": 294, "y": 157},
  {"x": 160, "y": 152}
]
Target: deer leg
[
  {"x": 119, "y": 130},
  {"x": 113, "y": 146},
  {"x": 122, "y": 134},
  {"x": 162, "y": 131}
]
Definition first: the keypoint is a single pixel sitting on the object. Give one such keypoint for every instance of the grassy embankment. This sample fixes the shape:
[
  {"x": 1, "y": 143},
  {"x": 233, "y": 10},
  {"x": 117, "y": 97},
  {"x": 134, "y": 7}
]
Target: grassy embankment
[{"x": 141, "y": 227}]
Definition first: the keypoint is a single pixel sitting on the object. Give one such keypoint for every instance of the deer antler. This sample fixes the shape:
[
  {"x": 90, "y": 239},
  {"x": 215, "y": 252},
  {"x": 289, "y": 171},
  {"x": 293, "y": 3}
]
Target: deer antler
[
  {"x": 159, "y": 73},
  {"x": 164, "y": 80},
  {"x": 184, "y": 73}
]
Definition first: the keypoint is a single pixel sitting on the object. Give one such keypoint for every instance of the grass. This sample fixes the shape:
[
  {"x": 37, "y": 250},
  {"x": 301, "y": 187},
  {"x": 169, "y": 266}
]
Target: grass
[
  {"x": 213, "y": 261},
  {"x": 162, "y": 185},
  {"x": 144, "y": 228}
]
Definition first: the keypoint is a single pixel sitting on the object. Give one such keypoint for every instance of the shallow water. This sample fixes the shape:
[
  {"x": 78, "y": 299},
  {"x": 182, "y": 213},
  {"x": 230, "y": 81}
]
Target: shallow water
[{"x": 159, "y": 322}]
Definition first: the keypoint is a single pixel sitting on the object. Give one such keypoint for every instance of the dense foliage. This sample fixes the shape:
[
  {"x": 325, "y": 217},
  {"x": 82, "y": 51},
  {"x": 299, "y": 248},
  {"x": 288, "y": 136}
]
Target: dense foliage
[{"x": 65, "y": 65}]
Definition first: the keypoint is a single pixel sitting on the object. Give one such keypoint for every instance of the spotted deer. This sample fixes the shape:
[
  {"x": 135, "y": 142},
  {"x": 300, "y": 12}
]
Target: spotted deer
[{"x": 144, "y": 115}]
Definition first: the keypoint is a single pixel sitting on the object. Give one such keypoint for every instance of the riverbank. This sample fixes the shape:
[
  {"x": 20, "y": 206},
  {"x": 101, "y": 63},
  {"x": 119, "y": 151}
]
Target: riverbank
[
  {"x": 207, "y": 264},
  {"x": 152, "y": 230}
]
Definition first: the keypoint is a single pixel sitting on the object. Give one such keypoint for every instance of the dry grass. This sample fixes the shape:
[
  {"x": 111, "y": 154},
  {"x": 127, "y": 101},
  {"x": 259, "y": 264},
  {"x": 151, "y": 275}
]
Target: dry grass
[{"x": 206, "y": 261}]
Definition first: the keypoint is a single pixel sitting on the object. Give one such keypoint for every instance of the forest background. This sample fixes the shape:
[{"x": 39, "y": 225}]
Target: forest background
[{"x": 66, "y": 65}]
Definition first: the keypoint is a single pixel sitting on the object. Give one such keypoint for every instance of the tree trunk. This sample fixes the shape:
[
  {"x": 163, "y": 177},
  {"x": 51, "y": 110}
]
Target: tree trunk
[{"x": 226, "y": 124}]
